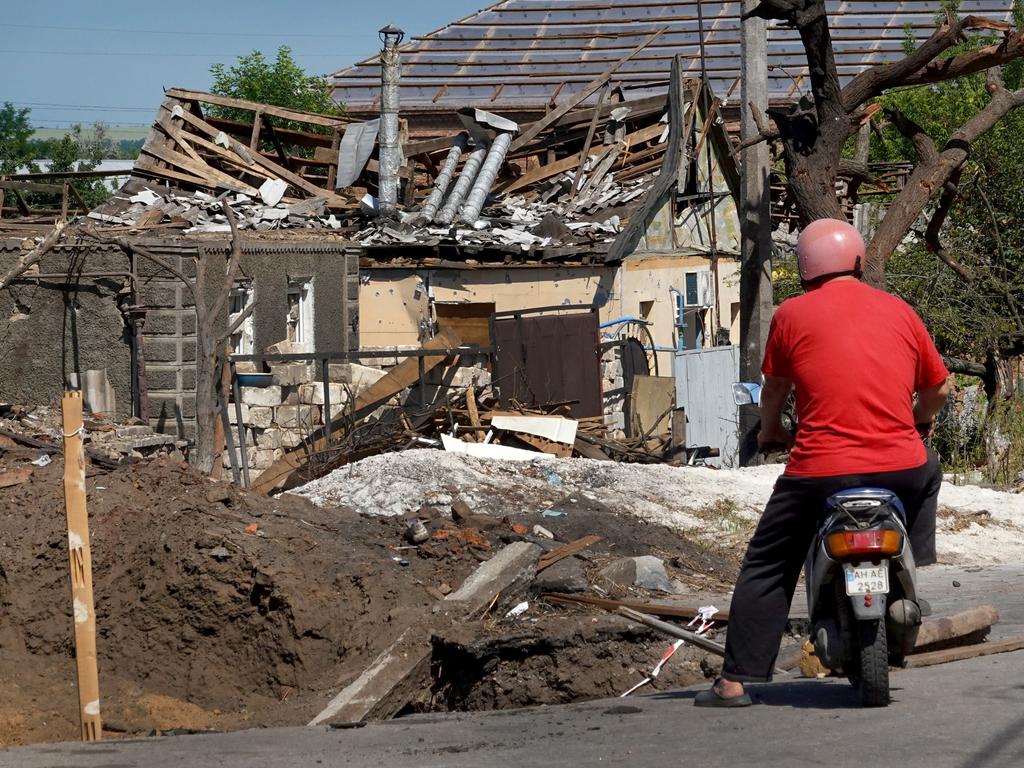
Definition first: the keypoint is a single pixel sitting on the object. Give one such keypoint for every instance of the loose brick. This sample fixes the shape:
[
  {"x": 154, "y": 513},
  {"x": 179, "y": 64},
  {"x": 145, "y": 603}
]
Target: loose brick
[
  {"x": 262, "y": 396},
  {"x": 313, "y": 394},
  {"x": 292, "y": 374},
  {"x": 301, "y": 417},
  {"x": 260, "y": 417}
]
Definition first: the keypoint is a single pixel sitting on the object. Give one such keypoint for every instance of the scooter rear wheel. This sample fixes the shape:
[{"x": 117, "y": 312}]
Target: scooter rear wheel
[{"x": 873, "y": 675}]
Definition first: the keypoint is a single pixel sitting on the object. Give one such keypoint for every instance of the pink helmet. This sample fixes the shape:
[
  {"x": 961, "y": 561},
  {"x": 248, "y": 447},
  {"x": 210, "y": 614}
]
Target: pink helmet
[{"x": 829, "y": 247}]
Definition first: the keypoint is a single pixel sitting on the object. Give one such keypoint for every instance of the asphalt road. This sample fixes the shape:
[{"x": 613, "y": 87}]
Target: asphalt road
[{"x": 968, "y": 714}]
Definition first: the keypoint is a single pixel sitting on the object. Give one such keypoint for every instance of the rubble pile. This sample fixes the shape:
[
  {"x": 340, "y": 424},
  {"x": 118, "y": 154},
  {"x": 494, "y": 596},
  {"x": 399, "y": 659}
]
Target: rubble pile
[
  {"x": 201, "y": 212},
  {"x": 107, "y": 439}
]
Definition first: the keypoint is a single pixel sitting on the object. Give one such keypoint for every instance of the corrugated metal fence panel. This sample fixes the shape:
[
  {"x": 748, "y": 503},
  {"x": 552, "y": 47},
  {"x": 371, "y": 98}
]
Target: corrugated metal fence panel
[
  {"x": 549, "y": 359},
  {"x": 704, "y": 379}
]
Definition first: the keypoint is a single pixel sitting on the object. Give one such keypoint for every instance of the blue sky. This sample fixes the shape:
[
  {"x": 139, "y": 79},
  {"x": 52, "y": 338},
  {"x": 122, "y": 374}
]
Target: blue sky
[{"x": 77, "y": 61}]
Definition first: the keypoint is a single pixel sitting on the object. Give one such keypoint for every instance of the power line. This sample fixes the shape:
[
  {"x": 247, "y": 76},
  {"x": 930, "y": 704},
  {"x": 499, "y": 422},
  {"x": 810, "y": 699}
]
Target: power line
[
  {"x": 76, "y": 108},
  {"x": 67, "y": 124},
  {"x": 140, "y": 54},
  {"x": 195, "y": 33},
  {"x": 83, "y": 106}
]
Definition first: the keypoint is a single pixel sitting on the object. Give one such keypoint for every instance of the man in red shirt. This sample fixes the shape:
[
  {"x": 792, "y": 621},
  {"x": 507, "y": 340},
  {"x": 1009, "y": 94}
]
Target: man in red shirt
[{"x": 856, "y": 357}]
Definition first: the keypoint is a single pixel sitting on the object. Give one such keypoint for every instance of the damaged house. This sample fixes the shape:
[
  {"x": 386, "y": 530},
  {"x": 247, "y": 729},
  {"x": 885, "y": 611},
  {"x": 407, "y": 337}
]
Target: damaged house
[{"x": 591, "y": 175}]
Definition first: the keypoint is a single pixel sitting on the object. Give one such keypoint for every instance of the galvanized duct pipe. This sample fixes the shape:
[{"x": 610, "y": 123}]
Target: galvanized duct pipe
[
  {"x": 484, "y": 182},
  {"x": 390, "y": 150},
  {"x": 463, "y": 185},
  {"x": 444, "y": 178}
]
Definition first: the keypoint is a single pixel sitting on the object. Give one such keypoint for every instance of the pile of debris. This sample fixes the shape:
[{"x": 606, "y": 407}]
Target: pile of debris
[
  {"x": 571, "y": 180},
  {"x": 109, "y": 442},
  {"x": 200, "y": 212}
]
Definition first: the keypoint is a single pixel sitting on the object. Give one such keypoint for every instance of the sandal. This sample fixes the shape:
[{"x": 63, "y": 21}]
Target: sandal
[{"x": 712, "y": 698}]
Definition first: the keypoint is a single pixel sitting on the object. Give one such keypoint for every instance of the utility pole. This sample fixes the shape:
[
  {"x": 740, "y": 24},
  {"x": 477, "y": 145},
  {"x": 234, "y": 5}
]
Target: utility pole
[{"x": 755, "y": 217}]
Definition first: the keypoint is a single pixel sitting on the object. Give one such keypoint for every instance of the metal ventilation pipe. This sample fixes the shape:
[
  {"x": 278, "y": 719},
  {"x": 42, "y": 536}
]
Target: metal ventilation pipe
[
  {"x": 390, "y": 149},
  {"x": 463, "y": 185},
  {"x": 444, "y": 178},
  {"x": 484, "y": 182}
]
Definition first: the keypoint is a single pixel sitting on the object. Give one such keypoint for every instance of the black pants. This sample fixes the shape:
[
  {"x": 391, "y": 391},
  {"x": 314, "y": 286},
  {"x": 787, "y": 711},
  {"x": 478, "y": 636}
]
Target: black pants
[{"x": 771, "y": 568}]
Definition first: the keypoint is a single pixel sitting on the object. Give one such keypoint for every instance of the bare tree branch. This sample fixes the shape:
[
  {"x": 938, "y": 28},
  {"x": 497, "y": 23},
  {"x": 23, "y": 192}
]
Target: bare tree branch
[
  {"x": 874, "y": 81},
  {"x": 969, "y": 63},
  {"x": 931, "y": 235},
  {"x": 234, "y": 262},
  {"x": 242, "y": 317},
  {"x": 33, "y": 257},
  {"x": 934, "y": 172},
  {"x": 130, "y": 247},
  {"x": 914, "y": 133}
]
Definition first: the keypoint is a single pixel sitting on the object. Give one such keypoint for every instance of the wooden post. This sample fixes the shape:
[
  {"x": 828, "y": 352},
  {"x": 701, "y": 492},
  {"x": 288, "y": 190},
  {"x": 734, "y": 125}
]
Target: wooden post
[
  {"x": 80, "y": 561},
  {"x": 755, "y": 214}
]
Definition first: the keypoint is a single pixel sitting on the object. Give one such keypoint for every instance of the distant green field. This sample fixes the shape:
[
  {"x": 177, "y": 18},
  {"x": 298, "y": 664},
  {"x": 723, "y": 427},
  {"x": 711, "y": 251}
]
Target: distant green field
[{"x": 116, "y": 132}]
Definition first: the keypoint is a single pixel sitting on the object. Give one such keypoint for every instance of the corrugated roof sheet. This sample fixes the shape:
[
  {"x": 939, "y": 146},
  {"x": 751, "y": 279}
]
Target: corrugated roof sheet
[{"x": 527, "y": 53}]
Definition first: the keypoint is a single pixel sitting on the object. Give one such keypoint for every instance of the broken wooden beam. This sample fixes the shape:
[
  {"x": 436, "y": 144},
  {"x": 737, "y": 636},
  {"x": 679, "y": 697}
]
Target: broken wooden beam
[
  {"x": 965, "y": 652},
  {"x": 667, "y": 610},
  {"x": 533, "y": 130},
  {"x": 568, "y": 550},
  {"x": 937, "y": 633},
  {"x": 283, "y": 471}
]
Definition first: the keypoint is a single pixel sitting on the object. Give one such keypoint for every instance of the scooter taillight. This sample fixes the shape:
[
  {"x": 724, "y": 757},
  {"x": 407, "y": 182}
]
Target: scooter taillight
[{"x": 874, "y": 543}]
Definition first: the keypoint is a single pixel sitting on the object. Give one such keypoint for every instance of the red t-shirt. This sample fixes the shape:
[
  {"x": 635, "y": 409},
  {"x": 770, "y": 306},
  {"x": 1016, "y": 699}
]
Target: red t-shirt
[{"x": 856, "y": 356}]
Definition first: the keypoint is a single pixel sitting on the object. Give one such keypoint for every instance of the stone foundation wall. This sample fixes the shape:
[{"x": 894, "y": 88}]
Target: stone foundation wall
[{"x": 280, "y": 416}]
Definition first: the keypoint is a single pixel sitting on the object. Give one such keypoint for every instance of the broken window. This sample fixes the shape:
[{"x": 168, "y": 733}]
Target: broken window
[
  {"x": 300, "y": 311},
  {"x": 692, "y": 290},
  {"x": 242, "y": 295}
]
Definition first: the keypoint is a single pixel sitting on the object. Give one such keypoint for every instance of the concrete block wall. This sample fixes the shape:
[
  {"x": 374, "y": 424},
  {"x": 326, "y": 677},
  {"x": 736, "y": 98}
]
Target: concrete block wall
[
  {"x": 280, "y": 416},
  {"x": 169, "y": 339},
  {"x": 169, "y": 331}
]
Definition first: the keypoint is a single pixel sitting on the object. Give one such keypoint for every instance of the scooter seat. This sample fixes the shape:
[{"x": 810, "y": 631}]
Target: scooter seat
[{"x": 865, "y": 499}]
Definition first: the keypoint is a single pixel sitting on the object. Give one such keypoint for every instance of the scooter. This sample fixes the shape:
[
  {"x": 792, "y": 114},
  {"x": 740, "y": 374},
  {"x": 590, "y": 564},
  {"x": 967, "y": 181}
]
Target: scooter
[
  {"x": 862, "y": 590},
  {"x": 861, "y": 584}
]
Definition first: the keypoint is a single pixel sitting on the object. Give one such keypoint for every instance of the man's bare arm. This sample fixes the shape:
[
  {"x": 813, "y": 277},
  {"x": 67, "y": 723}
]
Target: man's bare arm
[
  {"x": 774, "y": 392},
  {"x": 930, "y": 402}
]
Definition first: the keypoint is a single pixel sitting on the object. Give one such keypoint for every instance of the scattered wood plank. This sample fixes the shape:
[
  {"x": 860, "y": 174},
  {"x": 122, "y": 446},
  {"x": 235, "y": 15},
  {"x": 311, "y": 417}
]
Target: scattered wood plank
[
  {"x": 667, "y": 610},
  {"x": 474, "y": 414},
  {"x": 31, "y": 442},
  {"x": 568, "y": 550},
  {"x": 965, "y": 652},
  {"x": 268, "y": 168},
  {"x": 567, "y": 164},
  {"x": 14, "y": 477},
  {"x": 589, "y": 451},
  {"x": 288, "y": 114}
]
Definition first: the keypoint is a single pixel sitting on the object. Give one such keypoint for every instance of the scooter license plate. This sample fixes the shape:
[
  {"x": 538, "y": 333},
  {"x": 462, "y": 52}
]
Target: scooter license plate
[{"x": 864, "y": 580}]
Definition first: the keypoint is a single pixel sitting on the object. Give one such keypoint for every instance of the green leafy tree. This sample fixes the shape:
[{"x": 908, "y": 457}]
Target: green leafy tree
[
  {"x": 281, "y": 82},
  {"x": 16, "y": 151}
]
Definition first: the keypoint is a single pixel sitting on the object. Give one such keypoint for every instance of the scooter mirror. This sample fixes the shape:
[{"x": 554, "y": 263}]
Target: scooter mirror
[{"x": 746, "y": 393}]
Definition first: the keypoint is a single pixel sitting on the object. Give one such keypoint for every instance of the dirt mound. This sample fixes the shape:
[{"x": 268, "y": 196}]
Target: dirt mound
[
  {"x": 215, "y": 607},
  {"x": 221, "y": 609}
]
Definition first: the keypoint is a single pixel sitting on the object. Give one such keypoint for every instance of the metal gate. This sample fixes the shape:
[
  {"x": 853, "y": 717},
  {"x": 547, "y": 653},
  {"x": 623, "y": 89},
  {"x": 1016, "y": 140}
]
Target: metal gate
[
  {"x": 704, "y": 379},
  {"x": 548, "y": 358}
]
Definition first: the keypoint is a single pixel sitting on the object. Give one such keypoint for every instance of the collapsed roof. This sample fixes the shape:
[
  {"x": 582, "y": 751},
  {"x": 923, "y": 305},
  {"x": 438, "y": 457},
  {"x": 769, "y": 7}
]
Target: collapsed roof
[{"x": 575, "y": 185}]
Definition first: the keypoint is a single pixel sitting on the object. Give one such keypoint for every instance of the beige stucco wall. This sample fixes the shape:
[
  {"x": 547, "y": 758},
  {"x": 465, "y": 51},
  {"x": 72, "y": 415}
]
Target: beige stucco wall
[{"x": 394, "y": 303}]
